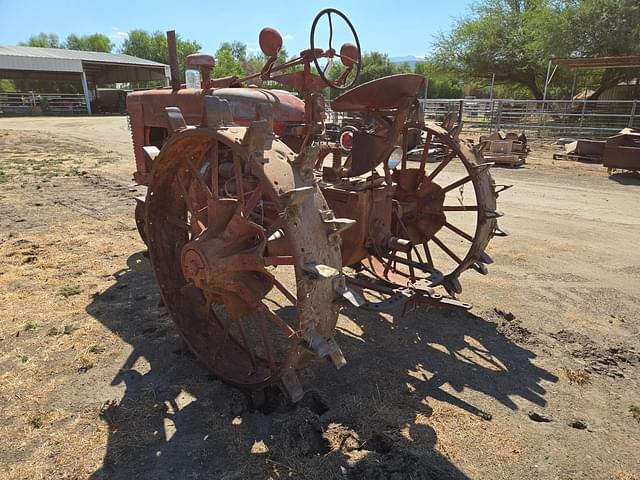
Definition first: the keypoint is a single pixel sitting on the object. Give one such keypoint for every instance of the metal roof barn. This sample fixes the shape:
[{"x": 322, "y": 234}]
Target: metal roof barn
[{"x": 90, "y": 67}]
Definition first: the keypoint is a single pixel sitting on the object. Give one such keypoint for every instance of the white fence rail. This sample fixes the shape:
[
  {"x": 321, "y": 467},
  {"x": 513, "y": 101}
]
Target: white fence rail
[{"x": 25, "y": 103}]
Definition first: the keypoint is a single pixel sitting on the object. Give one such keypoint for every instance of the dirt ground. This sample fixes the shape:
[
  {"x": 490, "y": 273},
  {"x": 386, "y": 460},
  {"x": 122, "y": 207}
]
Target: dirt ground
[{"x": 540, "y": 380}]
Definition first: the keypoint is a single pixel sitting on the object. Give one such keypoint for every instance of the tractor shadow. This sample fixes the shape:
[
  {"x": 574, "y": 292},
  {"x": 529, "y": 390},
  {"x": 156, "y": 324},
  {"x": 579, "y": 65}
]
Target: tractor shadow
[
  {"x": 175, "y": 420},
  {"x": 626, "y": 178},
  {"x": 441, "y": 353}
]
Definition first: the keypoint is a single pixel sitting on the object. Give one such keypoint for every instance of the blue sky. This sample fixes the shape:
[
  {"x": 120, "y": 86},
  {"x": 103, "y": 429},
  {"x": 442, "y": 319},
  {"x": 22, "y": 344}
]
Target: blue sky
[{"x": 397, "y": 27}]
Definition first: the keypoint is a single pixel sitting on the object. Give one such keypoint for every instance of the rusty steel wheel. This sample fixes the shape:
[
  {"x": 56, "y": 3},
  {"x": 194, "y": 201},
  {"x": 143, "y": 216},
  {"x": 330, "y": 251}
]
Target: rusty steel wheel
[
  {"x": 140, "y": 216},
  {"x": 244, "y": 267},
  {"x": 447, "y": 211}
]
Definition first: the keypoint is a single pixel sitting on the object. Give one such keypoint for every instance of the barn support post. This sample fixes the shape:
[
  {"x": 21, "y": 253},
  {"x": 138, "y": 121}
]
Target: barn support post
[{"x": 85, "y": 89}]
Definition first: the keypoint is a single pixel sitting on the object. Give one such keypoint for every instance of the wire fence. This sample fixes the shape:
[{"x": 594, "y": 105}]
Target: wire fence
[
  {"x": 544, "y": 119},
  {"x": 26, "y": 103},
  {"x": 541, "y": 119}
]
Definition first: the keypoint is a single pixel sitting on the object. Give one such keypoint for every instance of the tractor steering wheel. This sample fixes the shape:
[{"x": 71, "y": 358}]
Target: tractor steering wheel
[{"x": 345, "y": 55}]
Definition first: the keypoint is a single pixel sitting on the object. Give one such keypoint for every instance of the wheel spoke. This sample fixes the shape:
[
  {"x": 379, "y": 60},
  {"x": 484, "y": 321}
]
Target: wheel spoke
[
  {"x": 185, "y": 195},
  {"x": 406, "y": 233},
  {"x": 446, "y": 249},
  {"x": 198, "y": 176},
  {"x": 427, "y": 252},
  {"x": 451, "y": 208},
  {"x": 425, "y": 151},
  {"x": 253, "y": 200},
  {"x": 237, "y": 167},
  {"x": 388, "y": 264},
  {"x": 442, "y": 165},
  {"x": 460, "y": 232},
  {"x": 278, "y": 321},
  {"x": 290, "y": 296},
  {"x": 405, "y": 147},
  {"x": 268, "y": 345},
  {"x": 279, "y": 260},
  {"x": 459, "y": 208},
  {"x": 412, "y": 273},
  {"x": 225, "y": 338},
  {"x": 243, "y": 338},
  {"x": 456, "y": 184}
]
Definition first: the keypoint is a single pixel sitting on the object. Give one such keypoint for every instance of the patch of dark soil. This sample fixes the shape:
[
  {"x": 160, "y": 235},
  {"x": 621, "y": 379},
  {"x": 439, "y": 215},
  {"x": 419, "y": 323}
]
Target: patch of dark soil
[
  {"x": 510, "y": 327},
  {"x": 609, "y": 361},
  {"x": 297, "y": 434},
  {"x": 578, "y": 424},
  {"x": 270, "y": 400},
  {"x": 538, "y": 417},
  {"x": 569, "y": 336},
  {"x": 397, "y": 465},
  {"x": 379, "y": 442},
  {"x": 508, "y": 316},
  {"x": 315, "y": 402},
  {"x": 515, "y": 332}
]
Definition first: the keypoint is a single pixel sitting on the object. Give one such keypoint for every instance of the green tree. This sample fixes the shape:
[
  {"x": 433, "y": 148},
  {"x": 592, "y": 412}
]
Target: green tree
[
  {"x": 97, "y": 42},
  {"x": 7, "y": 86},
  {"x": 231, "y": 59},
  {"x": 441, "y": 85},
  {"x": 45, "y": 40},
  {"x": 153, "y": 46},
  {"x": 376, "y": 65},
  {"x": 613, "y": 29},
  {"x": 514, "y": 39}
]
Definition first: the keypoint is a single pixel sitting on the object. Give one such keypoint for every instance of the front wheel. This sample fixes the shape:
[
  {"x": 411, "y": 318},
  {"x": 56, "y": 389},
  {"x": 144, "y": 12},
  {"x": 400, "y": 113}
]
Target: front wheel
[{"x": 241, "y": 256}]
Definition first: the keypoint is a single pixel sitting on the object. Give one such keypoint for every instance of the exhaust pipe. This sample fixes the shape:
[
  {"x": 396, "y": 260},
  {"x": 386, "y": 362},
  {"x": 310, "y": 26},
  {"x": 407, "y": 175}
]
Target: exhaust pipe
[{"x": 173, "y": 60}]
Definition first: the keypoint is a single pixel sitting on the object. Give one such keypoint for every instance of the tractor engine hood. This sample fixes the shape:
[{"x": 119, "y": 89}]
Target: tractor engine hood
[{"x": 244, "y": 104}]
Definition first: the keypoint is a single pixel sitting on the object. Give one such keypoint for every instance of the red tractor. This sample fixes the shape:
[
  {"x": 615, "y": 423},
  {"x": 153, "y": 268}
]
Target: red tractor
[{"x": 258, "y": 228}]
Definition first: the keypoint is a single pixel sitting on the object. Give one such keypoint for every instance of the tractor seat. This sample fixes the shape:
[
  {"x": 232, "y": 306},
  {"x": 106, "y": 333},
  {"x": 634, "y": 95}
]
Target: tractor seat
[{"x": 387, "y": 93}]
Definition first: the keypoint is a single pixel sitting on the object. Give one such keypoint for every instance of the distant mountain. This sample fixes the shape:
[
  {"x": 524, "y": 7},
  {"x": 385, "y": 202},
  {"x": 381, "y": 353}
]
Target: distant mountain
[{"x": 410, "y": 59}]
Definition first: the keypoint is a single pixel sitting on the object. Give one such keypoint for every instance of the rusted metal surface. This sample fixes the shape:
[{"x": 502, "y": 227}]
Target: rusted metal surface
[
  {"x": 173, "y": 60},
  {"x": 622, "y": 151},
  {"x": 386, "y": 93},
  {"x": 258, "y": 227}
]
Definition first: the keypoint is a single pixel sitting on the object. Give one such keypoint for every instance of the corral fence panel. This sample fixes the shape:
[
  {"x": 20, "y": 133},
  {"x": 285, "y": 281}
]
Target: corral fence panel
[
  {"x": 548, "y": 119},
  {"x": 26, "y": 103},
  {"x": 544, "y": 119}
]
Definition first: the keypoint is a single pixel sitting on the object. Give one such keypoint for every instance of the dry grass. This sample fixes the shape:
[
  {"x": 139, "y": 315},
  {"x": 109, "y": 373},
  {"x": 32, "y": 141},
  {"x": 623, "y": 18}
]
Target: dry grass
[
  {"x": 58, "y": 363},
  {"x": 577, "y": 377},
  {"x": 48, "y": 340}
]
